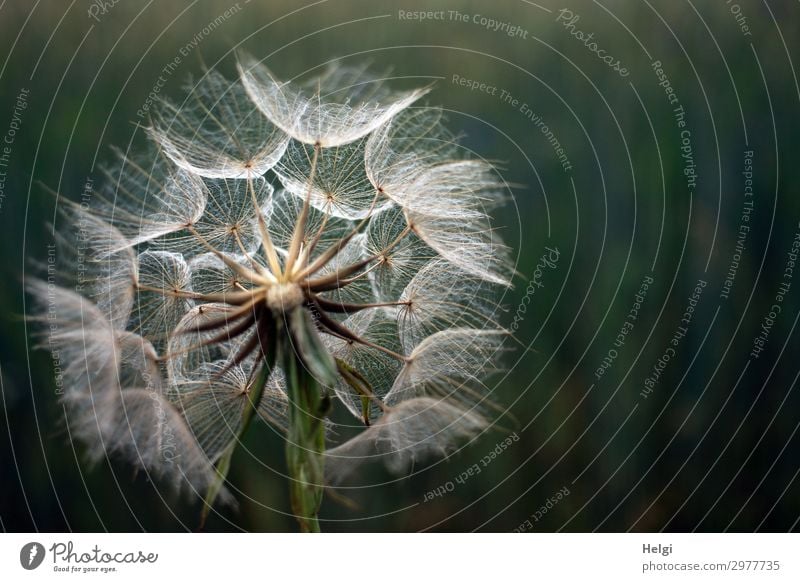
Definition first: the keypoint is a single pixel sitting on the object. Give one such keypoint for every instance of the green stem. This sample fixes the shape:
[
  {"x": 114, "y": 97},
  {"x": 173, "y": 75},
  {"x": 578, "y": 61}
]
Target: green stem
[{"x": 305, "y": 445}]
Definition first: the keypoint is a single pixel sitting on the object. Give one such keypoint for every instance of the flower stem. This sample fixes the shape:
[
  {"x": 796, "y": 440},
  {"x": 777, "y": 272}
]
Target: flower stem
[{"x": 305, "y": 445}]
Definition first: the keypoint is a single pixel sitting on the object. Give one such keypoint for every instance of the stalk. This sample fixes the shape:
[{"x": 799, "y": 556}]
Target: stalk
[
  {"x": 310, "y": 369},
  {"x": 305, "y": 445}
]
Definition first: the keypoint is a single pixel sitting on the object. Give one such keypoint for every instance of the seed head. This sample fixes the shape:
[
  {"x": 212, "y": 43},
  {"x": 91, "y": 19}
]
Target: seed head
[{"x": 333, "y": 218}]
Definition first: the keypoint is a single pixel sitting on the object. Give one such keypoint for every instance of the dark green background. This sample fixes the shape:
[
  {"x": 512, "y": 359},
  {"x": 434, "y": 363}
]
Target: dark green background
[{"x": 703, "y": 451}]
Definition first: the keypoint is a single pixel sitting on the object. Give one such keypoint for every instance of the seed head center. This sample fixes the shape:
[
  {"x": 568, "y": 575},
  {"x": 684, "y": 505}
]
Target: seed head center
[{"x": 284, "y": 297}]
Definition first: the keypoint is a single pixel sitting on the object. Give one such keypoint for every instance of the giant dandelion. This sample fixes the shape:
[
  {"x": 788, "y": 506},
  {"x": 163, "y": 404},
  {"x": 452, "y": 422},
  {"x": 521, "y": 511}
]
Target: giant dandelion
[{"x": 284, "y": 248}]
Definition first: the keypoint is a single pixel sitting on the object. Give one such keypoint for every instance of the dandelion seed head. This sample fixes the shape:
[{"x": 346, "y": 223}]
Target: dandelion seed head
[{"x": 334, "y": 218}]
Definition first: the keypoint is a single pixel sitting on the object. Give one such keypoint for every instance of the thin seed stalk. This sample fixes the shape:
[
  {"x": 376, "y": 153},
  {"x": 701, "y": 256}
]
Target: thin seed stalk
[{"x": 223, "y": 465}]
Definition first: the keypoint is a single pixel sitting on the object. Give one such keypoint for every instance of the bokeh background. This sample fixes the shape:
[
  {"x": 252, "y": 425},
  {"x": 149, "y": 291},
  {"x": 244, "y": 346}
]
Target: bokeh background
[{"x": 712, "y": 447}]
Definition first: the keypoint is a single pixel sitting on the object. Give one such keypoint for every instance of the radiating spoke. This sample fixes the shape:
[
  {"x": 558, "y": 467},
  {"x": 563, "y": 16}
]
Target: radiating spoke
[{"x": 300, "y": 227}]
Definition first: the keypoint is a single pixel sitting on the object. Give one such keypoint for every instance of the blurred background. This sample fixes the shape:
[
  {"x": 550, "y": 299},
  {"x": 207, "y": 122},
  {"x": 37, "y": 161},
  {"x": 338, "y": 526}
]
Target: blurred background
[{"x": 626, "y": 127}]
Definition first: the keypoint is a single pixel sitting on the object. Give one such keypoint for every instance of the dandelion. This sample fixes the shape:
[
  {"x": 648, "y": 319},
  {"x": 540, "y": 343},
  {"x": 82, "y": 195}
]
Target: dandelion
[{"x": 287, "y": 248}]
